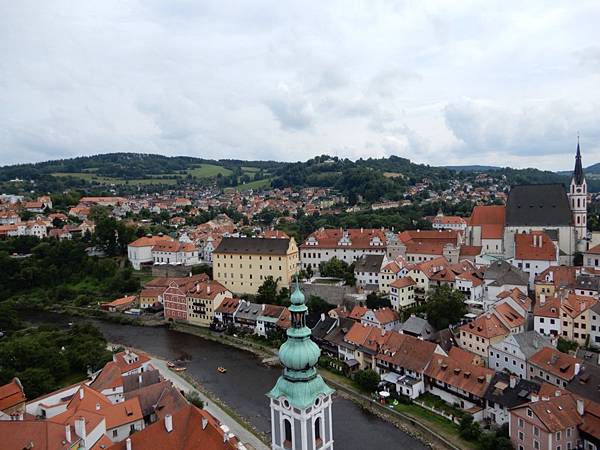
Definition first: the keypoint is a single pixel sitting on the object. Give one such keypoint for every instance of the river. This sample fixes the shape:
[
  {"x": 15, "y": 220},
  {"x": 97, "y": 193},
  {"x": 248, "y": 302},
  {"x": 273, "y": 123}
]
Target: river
[{"x": 244, "y": 385}]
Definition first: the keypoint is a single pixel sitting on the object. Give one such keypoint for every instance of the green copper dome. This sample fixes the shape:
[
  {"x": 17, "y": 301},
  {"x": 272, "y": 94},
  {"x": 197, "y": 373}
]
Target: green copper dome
[
  {"x": 300, "y": 383},
  {"x": 297, "y": 297}
]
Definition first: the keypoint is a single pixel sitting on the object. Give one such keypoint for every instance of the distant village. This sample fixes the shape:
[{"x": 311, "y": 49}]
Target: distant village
[{"x": 526, "y": 353}]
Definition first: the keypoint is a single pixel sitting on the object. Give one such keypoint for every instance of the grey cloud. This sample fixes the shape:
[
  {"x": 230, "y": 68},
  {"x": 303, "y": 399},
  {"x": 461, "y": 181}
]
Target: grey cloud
[
  {"x": 291, "y": 109},
  {"x": 537, "y": 128}
]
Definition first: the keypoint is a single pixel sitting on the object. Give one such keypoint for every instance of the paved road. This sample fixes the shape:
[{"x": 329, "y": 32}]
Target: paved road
[{"x": 242, "y": 433}]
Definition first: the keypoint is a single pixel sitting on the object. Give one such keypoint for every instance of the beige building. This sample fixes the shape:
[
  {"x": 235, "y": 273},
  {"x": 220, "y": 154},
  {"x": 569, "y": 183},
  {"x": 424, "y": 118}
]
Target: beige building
[
  {"x": 203, "y": 300},
  {"x": 476, "y": 336},
  {"x": 575, "y": 318},
  {"x": 243, "y": 264}
]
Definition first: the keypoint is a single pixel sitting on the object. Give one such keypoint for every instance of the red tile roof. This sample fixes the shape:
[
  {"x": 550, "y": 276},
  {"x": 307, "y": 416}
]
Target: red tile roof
[
  {"x": 536, "y": 246},
  {"x": 188, "y": 433},
  {"x": 11, "y": 394},
  {"x": 402, "y": 282},
  {"x": 487, "y": 325},
  {"x": 359, "y": 237},
  {"x": 459, "y": 374},
  {"x": 556, "y": 363},
  {"x": 150, "y": 241}
]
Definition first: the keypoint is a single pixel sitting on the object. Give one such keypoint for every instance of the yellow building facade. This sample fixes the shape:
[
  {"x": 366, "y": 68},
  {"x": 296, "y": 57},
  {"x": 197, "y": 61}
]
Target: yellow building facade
[{"x": 243, "y": 264}]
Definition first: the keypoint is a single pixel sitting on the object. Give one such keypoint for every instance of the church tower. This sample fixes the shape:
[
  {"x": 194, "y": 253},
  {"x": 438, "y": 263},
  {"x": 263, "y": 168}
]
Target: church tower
[
  {"x": 578, "y": 199},
  {"x": 300, "y": 401}
]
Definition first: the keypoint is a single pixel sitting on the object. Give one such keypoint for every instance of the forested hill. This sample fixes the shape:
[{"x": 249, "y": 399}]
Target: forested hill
[{"x": 373, "y": 179}]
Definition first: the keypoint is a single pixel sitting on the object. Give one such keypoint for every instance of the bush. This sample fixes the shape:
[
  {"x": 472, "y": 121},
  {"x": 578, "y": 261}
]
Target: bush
[
  {"x": 469, "y": 429},
  {"x": 367, "y": 380},
  {"x": 194, "y": 398}
]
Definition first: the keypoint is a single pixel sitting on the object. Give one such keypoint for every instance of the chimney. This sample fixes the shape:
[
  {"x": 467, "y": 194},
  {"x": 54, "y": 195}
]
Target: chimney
[
  {"x": 557, "y": 393},
  {"x": 80, "y": 427},
  {"x": 580, "y": 407},
  {"x": 68, "y": 433},
  {"x": 204, "y": 423},
  {"x": 140, "y": 378},
  {"x": 577, "y": 368},
  {"x": 128, "y": 444},
  {"x": 81, "y": 393},
  {"x": 197, "y": 287},
  {"x": 169, "y": 423},
  {"x": 513, "y": 382},
  {"x": 208, "y": 288},
  {"x": 534, "y": 398},
  {"x": 322, "y": 317}
]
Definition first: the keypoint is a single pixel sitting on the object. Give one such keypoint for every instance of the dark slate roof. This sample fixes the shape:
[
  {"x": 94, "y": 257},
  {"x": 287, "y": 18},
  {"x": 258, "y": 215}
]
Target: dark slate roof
[
  {"x": 336, "y": 336},
  {"x": 586, "y": 382},
  {"x": 587, "y": 282},
  {"x": 538, "y": 205},
  {"x": 510, "y": 397},
  {"x": 416, "y": 326},
  {"x": 530, "y": 342},
  {"x": 503, "y": 273},
  {"x": 578, "y": 171},
  {"x": 323, "y": 327},
  {"x": 369, "y": 263},
  {"x": 253, "y": 246},
  {"x": 132, "y": 382}
]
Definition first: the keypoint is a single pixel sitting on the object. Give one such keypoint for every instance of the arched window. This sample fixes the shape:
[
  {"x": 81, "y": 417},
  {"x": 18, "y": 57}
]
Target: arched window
[
  {"x": 287, "y": 433},
  {"x": 318, "y": 438}
]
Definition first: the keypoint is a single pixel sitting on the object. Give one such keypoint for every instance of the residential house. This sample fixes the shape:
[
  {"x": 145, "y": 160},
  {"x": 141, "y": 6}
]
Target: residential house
[
  {"x": 588, "y": 284},
  {"x": 139, "y": 252},
  {"x": 554, "y": 279},
  {"x": 506, "y": 392},
  {"x": 591, "y": 258},
  {"x": 485, "y": 228},
  {"x": 345, "y": 245},
  {"x": 458, "y": 382},
  {"x": 175, "y": 253},
  {"x": 401, "y": 362},
  {"x": 478, "y": 335},
  {"x": 575, "y": 317},
  {"x": 225, "y": 311},
  {"x": 384, "y": 318},
  {"x": 12, "y": 400},
  {"x": 554, "y": 367},
  {"x": 534, "y": 253},
  {"x": 120, "y": 304},
  {"x": 246, "y": 316},
  {"x": 549, "y": 423},
  {"x": 186, "y": 429},
  {"x": 546, "y": 316},
  {"x": 151, "y": 297},
  {"x": 366, "y": 271},
  {"x": 501, "y": 276},
  {"x": 390, "y": 272},
  {"x": 418, "y": 327},
  {"x": 402, "y": 293},
  {"x": 203, "y": 299},
  {"x": 511, "y": 354}
]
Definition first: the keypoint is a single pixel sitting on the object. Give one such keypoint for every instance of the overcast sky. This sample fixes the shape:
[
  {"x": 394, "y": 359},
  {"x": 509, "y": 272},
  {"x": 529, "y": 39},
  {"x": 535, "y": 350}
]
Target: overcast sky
[{"x": 439, "y": 82}]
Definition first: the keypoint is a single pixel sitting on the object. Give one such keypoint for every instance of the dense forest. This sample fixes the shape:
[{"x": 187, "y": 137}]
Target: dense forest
[{"x": 370, "y": 179}]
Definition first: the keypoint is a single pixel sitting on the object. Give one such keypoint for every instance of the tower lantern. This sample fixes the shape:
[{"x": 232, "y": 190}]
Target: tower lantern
[{"x": 300, "y": 401}]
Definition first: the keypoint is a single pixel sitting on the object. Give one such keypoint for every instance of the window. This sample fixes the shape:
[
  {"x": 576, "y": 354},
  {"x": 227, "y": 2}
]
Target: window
[
  {"x": 287, "y": 426},
  {"x": 318, "y": 439},
  {"x": 115, "y": 433}
]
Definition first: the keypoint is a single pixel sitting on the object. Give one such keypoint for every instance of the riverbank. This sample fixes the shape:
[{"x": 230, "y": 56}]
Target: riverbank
[
  {"x": 246, "y": 433},
  {"x": 430, "y": 429}
]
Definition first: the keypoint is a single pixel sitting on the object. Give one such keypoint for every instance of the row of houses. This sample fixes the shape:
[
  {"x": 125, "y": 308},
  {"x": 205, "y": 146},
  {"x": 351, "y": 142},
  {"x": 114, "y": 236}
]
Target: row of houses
[{"x": 127, "y": 405}]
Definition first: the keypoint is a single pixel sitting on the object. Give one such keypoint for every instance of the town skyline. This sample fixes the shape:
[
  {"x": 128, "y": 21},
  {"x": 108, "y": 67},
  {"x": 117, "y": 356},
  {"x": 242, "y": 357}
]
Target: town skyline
[{"x": 475, "y": 86}]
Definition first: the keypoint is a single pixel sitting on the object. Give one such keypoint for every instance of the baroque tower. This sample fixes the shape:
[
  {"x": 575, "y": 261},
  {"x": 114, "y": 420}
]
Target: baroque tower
[
  {"x": 300, "y": 401},
  {"x": 578, "y": 199}
]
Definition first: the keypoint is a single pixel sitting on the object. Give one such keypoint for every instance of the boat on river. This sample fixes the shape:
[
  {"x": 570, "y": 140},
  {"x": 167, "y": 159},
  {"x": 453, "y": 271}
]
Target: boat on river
[{"x": 221, "y": 369}]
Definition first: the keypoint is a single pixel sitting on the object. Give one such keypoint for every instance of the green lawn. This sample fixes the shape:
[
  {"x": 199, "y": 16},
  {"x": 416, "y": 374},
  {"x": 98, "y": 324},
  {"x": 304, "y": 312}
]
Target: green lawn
[
  {"x": 247, "y": 169},
  {"x": 208, "y": 171},
  {"x": 258, "y": 184}
]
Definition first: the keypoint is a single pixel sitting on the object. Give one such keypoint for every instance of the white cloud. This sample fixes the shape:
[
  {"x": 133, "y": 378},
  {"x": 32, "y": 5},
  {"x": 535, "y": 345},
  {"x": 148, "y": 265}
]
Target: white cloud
[{"x": 436, "y": 81}]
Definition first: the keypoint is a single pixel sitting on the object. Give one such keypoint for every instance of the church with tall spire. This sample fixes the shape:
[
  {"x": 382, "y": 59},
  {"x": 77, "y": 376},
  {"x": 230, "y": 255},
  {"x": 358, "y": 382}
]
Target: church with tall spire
[
  {"x": 300, "y": 402},
  {"x": 578, "y": 201}
]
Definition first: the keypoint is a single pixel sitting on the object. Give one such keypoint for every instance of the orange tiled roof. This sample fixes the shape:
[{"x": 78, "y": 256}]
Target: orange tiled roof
[
  {"x": 557, "y": 363},
  {"x": 487, "y": 326},
  {"x": 11, "y": 394},
  {"x": 460, "y": 374},
  {"x": 402, "y": 282},
  {"x": 536, "y": 246},
  {"x": 149, "y": 241}
]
